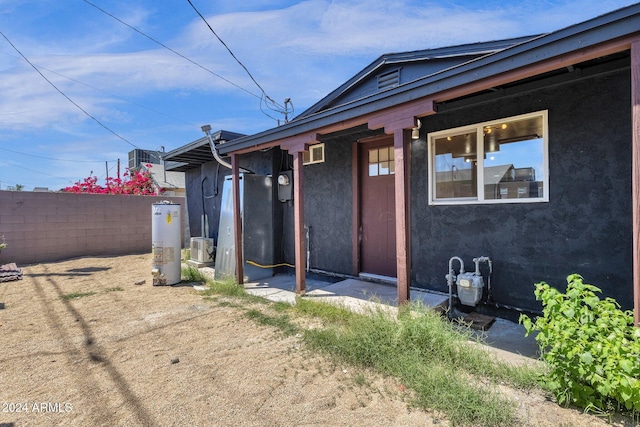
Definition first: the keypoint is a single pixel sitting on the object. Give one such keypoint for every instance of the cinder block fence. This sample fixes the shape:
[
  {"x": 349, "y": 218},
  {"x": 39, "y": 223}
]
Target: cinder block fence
[{"x": 41, "y": 227}]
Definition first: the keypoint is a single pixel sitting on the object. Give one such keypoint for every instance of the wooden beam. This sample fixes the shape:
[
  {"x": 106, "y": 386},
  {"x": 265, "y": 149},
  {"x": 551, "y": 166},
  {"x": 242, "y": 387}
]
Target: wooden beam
[
  {"x": 635, "y": 174},
  {"x": 298, "y": 214},
  {"x": 403, "y": 239},
  {"x": 257, "y": 147},
  {"x": 401, "y": 116},
  {"x": 237, "y": 217},
  {"x": 355, "y": 206},
  {"x": 300, "y": 142}
]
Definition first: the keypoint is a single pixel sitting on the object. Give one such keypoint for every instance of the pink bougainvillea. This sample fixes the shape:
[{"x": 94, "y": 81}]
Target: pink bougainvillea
[{"x": 135, "y": 182}]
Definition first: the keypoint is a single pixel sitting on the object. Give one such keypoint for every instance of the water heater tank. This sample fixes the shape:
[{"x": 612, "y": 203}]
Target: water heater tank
[{"x": 166, "y": 243}]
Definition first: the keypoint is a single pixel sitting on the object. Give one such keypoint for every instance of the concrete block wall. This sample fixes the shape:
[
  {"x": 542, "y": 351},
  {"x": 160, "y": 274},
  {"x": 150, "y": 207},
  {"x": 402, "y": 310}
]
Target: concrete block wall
[{"x": 41, "y": 227}]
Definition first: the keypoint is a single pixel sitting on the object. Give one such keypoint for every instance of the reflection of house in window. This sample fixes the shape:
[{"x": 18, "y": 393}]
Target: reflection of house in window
[
  {"x": 456, "y": 183},
  {"x": 506, "y": 182},
  {"x": 490, "y": 163}
]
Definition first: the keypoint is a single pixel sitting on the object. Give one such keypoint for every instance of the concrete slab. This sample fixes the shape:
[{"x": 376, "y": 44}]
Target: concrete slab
[{"x": 509, "y": 337}]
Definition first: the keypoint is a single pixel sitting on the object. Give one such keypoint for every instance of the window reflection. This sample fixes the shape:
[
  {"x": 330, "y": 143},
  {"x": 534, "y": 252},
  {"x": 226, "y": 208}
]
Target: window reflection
[
  {"x": 502, "y": 160},
  {"x": 456, "y": 166},
  {"x": 381, "y": 161},
  {"x": 513, "y": 163}
]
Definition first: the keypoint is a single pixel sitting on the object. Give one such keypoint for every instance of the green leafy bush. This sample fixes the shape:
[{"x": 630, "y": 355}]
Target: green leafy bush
[{"x": 591, "y": 346}]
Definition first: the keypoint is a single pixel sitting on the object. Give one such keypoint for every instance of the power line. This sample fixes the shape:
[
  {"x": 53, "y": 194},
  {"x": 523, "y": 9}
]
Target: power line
[
  {"x": 103, "y": 91},
  {"x": 170, "y": 49},
  {"x": 33, "y": 170},
  {"x": 65, "y": 95},
  {"x": 280, "y": 109},
  {"x": 51, "y": 158}
]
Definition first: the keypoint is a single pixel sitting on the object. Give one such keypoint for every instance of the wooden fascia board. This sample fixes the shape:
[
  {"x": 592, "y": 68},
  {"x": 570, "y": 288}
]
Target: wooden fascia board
[
  {"x": 635, "y": 173},
  {"x": 295, "y": 139},
  {"x": 544, "y": 66},
  {"x": 256, "y": 148},
  {"x": 403, "y": 115}
]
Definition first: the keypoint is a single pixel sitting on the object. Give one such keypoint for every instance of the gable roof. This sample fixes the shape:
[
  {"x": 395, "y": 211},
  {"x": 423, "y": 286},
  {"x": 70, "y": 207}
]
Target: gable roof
[
  {"x": 579, "y": 40},
  {"x": 431, "y": 61}
]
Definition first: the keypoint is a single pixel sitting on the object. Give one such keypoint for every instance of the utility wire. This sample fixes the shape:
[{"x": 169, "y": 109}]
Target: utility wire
[
  {"x": 11, "y": 164},
  {"x": 65, "y": 95},
  {"x": 280, "y": 109},
  {"x": 50, "y": 158},
  {"x": 170, "y": 49}
]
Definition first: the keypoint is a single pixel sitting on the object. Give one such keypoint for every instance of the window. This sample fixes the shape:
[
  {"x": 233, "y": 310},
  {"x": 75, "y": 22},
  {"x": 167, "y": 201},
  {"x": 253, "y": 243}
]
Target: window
[
  {"x": 314, "y": 155},
  {"x": 381, "y": 161},
  {"x": 503, "y": 161}
]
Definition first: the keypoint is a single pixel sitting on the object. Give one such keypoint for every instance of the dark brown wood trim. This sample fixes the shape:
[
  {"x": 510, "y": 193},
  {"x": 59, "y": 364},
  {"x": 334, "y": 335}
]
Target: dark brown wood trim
[
  {"x": 397, "y": 116},
  {"x": 374, "y": 139},
  {"x": 300, "y": 142},
  {"x": 237, "y": 217},
  {"x": 401, "y": 118},
  {"x": 635, "y": 126},
  {"x": 582, "y": 55},
  {"x": 298, "y": 213},
  {"x": 402, "y": 227},
  {"x": 355, "y": 185}
]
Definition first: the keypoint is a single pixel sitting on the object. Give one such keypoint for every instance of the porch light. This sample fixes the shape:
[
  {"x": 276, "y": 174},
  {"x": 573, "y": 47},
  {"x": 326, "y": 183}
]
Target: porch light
[{"x": 415, "y": 132}]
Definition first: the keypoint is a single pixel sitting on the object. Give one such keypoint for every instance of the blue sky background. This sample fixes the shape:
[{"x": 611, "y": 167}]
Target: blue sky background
[{"x": 151, "y": 97}]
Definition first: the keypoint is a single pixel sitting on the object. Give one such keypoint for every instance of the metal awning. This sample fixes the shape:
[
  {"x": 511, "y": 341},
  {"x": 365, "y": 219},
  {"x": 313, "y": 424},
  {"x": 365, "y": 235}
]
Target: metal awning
[{"x": 196, "y": 153}]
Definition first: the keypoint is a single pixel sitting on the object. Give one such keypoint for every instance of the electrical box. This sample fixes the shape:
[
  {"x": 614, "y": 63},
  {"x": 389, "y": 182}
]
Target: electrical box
[{"x": 285, "y": 186}]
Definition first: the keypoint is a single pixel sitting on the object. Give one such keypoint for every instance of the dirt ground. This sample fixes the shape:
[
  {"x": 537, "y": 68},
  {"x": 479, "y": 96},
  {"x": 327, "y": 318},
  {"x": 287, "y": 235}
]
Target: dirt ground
[{"x": 131, "y": 354}]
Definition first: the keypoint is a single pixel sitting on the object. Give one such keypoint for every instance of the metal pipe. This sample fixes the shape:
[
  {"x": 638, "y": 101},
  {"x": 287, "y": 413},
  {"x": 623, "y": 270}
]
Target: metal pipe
[
  {"x": 308, "y": 228},
  {"x": 204, "y": 221},
  {"x": 477, "y": 262},
  {"x": 206, "y": 129},
  {"x": 450, "y": 277}
]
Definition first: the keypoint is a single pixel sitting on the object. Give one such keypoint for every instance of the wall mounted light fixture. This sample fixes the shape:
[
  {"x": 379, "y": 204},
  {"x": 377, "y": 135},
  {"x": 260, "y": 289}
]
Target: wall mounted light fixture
[{"x": 415, "y": 132}]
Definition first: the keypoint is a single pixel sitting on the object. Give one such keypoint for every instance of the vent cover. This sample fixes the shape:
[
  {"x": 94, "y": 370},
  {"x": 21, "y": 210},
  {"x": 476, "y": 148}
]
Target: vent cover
[{"x": 389, "y": 79}]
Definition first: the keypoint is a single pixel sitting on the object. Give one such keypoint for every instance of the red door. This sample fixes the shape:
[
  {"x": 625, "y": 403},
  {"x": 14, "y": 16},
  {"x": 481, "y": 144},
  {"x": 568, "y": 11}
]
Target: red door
[{"x": 377, "y": 208}]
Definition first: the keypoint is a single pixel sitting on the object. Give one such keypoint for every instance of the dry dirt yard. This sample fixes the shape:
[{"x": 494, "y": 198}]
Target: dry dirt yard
[{"x": 131, "y": 354}]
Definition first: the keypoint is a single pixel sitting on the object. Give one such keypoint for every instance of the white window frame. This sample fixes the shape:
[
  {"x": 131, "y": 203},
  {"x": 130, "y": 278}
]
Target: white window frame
[
  {"x": 312, "y": 159},
  {"x": 478, "y": 128}
]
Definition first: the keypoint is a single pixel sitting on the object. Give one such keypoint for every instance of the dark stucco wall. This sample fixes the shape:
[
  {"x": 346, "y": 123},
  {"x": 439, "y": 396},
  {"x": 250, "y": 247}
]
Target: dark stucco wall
[
  {"x": 328, "y": 208},
  {"x": 586, "y": 226}
]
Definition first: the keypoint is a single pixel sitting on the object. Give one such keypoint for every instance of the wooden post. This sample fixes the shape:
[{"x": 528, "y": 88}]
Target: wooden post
[
  {"x": 298, "y": 207},
  {"x": 635, "y": 174},
  {"x": 403, "y": 240},
  {"x": 237, "y": 217},
  {"x": 355, "y": 203}
]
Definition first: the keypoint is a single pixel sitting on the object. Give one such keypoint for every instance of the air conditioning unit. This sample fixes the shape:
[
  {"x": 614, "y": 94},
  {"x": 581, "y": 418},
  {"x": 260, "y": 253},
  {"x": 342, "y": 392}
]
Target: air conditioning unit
[{"x": 202, "y": 249}]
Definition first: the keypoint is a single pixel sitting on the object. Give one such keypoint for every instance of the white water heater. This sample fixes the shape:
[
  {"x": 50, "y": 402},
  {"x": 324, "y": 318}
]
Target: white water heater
[{"x": 166, "y": 243}]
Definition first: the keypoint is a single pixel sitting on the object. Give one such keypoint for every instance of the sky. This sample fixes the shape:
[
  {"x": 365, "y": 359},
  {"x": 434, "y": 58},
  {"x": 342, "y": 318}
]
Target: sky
[{"x": 83, "y": 82}]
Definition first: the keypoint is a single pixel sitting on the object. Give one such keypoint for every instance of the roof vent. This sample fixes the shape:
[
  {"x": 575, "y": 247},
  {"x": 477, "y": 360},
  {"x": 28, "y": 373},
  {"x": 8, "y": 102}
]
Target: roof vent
[{"x": 389, "y": 79}]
